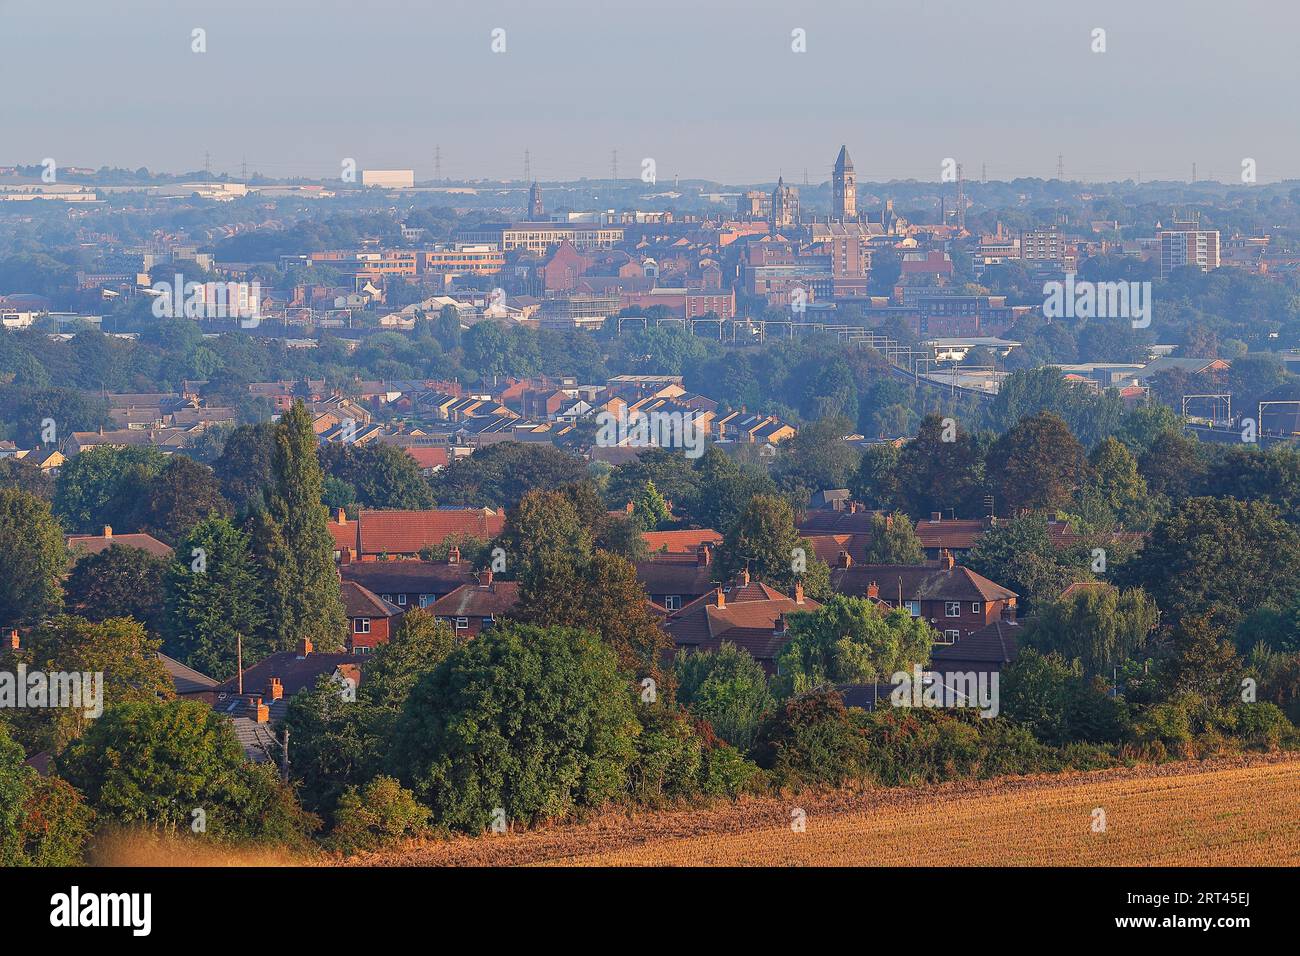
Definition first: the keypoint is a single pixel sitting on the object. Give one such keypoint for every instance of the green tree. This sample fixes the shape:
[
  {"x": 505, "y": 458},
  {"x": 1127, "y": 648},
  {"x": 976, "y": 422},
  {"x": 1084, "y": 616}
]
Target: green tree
[
  {"x": 118, "y": 582},
  {"x": 1021, "y": 556},
  {"x": 213, "y": 596},
  {"x": 119, "y": 648},
  {"x": 1037, "y": 464},
  {"x": 849, "y": 640},
  {"x": 1098, "y": 626},
  {"x": 33, "y": 558},
  {"x": 894, "y": 541},
  {"x": 152, "y": 764},
  {"x": 181, "y": 495},
  {"x": 105, "y": 485},
  {"x": 938, "y": 470},
  {"x": 1218, "y": 557},
  {"x": 293, "y": 544},
  {"x": 43, "y": 821},
  {"x": 536, "y": 721},
  {"x": 244, "y": 466},
  {"x": 650, "y": 510},
  {"x": 384, "y": 476},
  {"x": 726, "y": 687},
  {"x": 1059, "y": 703},
  {"x": 764, "y": 540}
]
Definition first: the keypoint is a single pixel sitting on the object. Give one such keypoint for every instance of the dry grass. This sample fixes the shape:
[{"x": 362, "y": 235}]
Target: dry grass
[
  {"x": 146, "y": 848},
  {"x": 1238, "y": 811}
]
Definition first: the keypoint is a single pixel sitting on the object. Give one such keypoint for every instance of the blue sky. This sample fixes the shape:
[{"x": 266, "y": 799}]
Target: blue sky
[{"x": 708, "y": 88}]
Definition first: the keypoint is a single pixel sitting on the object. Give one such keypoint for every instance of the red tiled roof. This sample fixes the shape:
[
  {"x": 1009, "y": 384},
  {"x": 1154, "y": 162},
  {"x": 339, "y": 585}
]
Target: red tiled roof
[
  {"x": 478, "y": 600},
  {"x": 680, "y": 541},
  {"x": 994, "y": 643},
  {"x": 95, "y": 543},
  {"x": 427, "y": 457},
  {"x": 748, "y": 619},
  {"x": 918, "y": 582},
  {"x": 406, "y": 532},
  {"x": 359, "y": 601}
]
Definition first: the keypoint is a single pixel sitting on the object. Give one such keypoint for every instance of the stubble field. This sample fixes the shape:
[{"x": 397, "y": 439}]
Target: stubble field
[{"x": 1237, "y": 811}]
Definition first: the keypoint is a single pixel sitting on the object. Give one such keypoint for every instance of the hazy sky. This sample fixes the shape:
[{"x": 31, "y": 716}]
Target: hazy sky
[{"x": 708, "y": 88}]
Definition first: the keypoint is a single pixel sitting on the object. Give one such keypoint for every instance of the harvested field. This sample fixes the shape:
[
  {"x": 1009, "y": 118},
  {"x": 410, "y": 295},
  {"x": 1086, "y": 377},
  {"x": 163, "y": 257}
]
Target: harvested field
[{"x": 1235, "y": 811}]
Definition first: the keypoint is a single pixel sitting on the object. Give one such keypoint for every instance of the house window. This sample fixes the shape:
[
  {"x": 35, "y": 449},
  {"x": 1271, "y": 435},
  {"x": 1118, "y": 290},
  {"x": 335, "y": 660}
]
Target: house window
[
  {"x": 462, "y": 623},
  {"x": 951, "y": 637},
  {"x": 426, "y": 600},
  {"x": 914, "y": 608},
  {"x": 401, "y": 600},
  {"x": 975, "y": 607},
  {"x": 361, "y": 625},
  {"x": 952, "y": 609},
  {"x": 361, "y": 649},
  {"x": 387, "y": 597},
  {"x": 672, "y": 602}
]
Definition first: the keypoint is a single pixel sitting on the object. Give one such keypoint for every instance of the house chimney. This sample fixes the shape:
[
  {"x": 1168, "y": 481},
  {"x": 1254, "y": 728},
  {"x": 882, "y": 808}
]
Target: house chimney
[
  {"x": 108, "y": 531},
  {"x": 453, "y": 555},
  {"x": 704, "y": 556},
  {"x": 12, "y": 642},
  {"x": 945, "y": 559},
  {"x": 717, "y": 598},
  {"x": 485, "y": 578},
  {"x": 845, "y": 559},
  {"x": 873, "y": 590},
  {"x": 257, "y": 710},
  {"x": 889, "y": 522},
  {"x": 304, "y": 648},
  {"x": 778, "y": 626},
  {"x": 341, "y": 516},
  {"x": 742, "y": 577},
  {"x": 798, "y": 592},
  {"x": 853, "y": 507},
  {"x": 275, "y": 689}
]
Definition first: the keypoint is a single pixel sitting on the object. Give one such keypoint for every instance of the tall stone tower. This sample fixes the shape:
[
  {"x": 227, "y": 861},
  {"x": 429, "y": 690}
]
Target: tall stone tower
[
  {"x": 844, "y": 188},
  {"x": 535, "y": 208},
  {"x": 785, "y": 206}
]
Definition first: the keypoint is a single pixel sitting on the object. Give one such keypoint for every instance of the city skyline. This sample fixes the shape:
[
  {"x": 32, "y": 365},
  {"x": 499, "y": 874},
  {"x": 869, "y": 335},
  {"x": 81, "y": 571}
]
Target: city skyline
[{"x": 714, "y": 94}]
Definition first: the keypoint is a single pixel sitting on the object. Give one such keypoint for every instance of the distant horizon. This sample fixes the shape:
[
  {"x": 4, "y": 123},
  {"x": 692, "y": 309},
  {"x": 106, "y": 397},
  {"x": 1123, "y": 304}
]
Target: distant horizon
[{"x": 296, "y": 87}]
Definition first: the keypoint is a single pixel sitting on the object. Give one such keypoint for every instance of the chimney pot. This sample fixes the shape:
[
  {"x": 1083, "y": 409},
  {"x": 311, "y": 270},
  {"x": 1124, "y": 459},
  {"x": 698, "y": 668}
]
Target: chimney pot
[
  {"x": 798, "y": 592},
  {"x": 108, "y": 531},
  {"x": 873, "y": 590},
  {"x": 304, "y": 648},
  {"x": 275, "y": 689},
  {"x": 718, "y": 598},
  {"x": 13, "y": 642}
]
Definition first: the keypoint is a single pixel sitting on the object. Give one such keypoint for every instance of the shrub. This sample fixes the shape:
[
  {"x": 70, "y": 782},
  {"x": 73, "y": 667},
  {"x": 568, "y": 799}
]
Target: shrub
[
  {"x": 814, "y": 741},
  {"x": 724, "y": 772},
  {"x": 378, "y": 814},
  {"x": 43, "y": 820},
  {"x": 668, "y": 756},
  {"x": 728, "y": 688}
]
